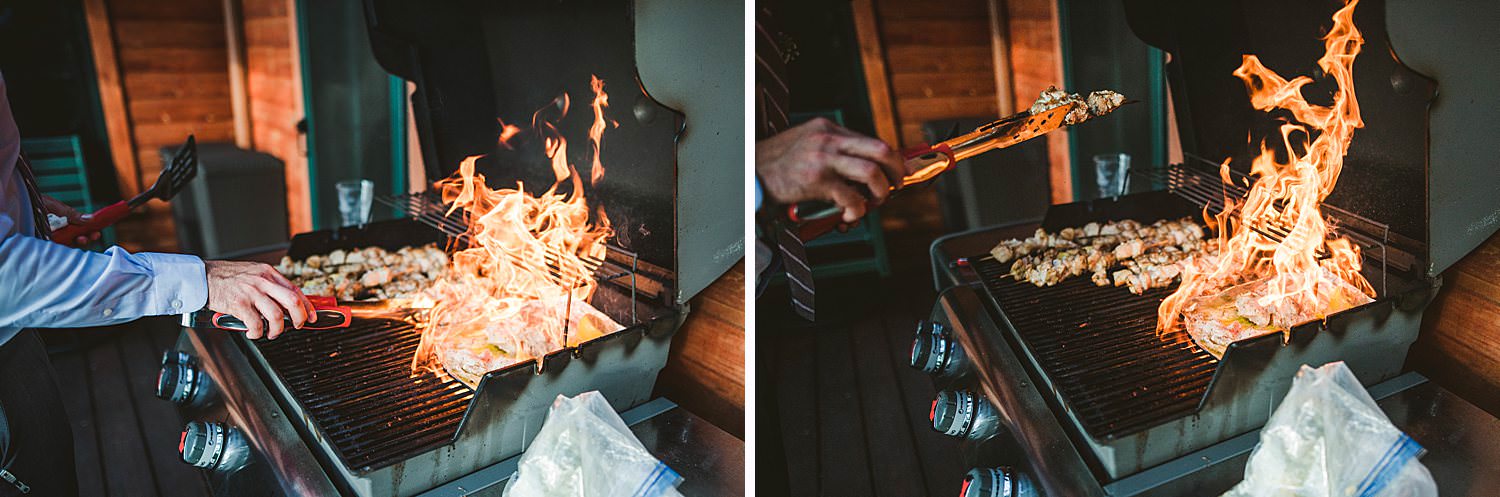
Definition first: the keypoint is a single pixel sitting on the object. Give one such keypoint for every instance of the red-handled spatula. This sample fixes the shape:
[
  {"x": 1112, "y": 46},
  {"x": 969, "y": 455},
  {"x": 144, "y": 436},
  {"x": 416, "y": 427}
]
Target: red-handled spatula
[{"x": 183, "y": 168}]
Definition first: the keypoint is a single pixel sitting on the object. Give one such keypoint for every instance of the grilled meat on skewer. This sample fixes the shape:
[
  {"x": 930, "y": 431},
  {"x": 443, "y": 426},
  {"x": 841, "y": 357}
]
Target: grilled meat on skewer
[{"x": 1147, "y": 254}]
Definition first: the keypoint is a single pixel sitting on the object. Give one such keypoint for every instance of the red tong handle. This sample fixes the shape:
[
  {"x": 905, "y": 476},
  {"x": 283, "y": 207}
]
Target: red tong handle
[
  {"x": 327, "y": 314},
  {"x": 102, "y": 218}
]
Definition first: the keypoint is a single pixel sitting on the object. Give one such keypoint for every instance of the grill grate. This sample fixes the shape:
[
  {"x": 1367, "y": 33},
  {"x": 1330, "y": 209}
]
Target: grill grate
[
  {"x": 356, "y": 386},
  {"x": 1098, "y": 350}
]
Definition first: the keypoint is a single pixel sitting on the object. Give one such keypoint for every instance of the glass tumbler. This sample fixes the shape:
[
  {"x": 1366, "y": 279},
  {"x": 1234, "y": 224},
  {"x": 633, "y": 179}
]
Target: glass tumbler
[
  {"x": 355, "y": 196},
  {"x": 1110, "y": 170}
]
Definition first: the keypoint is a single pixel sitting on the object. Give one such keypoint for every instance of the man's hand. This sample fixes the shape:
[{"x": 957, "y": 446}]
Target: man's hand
[
  {"x": 256, "y": 294},
  {"x": 57, "y": 208},
  {"x": 818, "y": 160}
]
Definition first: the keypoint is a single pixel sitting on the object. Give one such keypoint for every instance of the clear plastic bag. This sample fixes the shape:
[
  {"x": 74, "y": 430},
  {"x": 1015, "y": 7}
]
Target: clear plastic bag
[
  {"x": 1329, "y": 439},
  {"x": 585, "y": 450}
]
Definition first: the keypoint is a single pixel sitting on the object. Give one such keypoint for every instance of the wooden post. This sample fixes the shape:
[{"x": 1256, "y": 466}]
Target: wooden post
[
  {"x": 112, "y": 97},
  {"x": 1000, "y": 44},
  {"x": 872, "y": 57},
  {"x": 299, "y": 189},
  {"x": 239, "y": 98}
]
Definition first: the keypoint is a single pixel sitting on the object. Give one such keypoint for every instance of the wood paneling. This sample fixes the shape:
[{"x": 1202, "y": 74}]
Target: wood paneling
[
  {"x": 706, "y": 370},
  {"x": 951, "y": 44},
  {"x": 166, "y": 72},
  {"x": 112, "y": 96},
  {"x": 170, "y": 57},
  {"x": 872, "y": 56},
  {"x": 273, "y": 82},
  {"x": 1460, "y": 341},
  {"x": 927, "y": 60},
  {"x": 1036, "y": 63},
  {"x": 924, "y": 60}
]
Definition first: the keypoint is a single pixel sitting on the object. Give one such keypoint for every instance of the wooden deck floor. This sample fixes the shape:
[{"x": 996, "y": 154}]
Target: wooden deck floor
[
  {"x": 125, "y": 439},
  {"x": 852, "y": 415}
]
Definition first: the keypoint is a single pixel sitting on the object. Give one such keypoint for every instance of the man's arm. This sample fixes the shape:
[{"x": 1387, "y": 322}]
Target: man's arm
[
  {"x": 45, "y": 284},
  {"x": 49, "y": 285}
]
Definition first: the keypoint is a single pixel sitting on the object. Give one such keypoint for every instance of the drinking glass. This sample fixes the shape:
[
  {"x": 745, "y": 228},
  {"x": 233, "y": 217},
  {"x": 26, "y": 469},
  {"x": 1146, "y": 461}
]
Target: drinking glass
[
  {"x": 355, "y": 196},
  {"x": 1110, "y": 170}
]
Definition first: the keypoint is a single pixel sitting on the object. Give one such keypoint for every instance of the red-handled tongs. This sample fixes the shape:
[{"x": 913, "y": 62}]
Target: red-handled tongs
[
  {"x": 327, "y": 315},
  {"x": 813, "y": 219},
  {"x": 183, "y": 168}
]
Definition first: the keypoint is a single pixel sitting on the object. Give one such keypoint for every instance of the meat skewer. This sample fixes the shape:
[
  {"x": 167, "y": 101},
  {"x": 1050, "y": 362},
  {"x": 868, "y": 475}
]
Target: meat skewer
[{"x": 1149, "y": 256}]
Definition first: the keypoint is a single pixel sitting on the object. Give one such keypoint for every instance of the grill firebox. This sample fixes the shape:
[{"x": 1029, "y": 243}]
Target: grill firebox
[
  {"x": 1131, "y": 399},
  {"x": 1107, "y": 365},
  {"x": 356, "y": 386}
]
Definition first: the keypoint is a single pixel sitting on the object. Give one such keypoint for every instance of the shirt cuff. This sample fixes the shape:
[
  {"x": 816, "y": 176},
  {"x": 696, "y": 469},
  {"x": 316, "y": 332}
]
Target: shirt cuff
[
  {"x": 180, "y": 283},
  {"x": 758, "y": 194}
]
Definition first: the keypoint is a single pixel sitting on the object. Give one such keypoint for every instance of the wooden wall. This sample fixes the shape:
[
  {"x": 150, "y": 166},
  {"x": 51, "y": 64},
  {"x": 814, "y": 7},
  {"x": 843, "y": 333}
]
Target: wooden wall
[
  {"x": 706, "y": 370},
  {"x": 1035, "y": 57},
  {"x": 927, "y": 60},
  {"x": 273, "y": 81},
  {"x": 164, "y": 72},
  {"x": 171, "y": 75},
  {"x": 1459, "y": 346}
]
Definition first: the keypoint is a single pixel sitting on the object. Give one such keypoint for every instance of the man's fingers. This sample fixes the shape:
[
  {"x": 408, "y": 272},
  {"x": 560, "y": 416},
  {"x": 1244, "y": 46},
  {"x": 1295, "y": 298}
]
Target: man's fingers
[
  {"x": 271, "y": 312},
  {"x": 861, "y": 171},
  {"x": 850, "y": 200},
  {"x": 254, "y": 328},
  {"x": 290, "y": 300},
  {"x": 874, "y": 150},
  {"x": 298, "y": 299}
]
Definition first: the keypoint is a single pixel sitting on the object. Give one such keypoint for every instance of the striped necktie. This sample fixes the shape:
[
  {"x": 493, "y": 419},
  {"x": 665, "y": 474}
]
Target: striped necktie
[
  {"x": 38, "y": 213},
  {"x": 771, "y": 96}
]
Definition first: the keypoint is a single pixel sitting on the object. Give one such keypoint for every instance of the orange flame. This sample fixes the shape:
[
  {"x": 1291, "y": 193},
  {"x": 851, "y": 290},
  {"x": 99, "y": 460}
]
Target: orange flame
[
  {"x": 596, "y": 132},
  {"x": 519, "y": 283},
  {"x": 1285, "y": 277},
  {"x": 507, "y": 132}
]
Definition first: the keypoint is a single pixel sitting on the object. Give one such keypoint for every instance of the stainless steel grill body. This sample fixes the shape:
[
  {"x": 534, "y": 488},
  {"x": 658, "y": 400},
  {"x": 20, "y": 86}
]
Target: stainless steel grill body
[{"x": 1133, "y": 399}]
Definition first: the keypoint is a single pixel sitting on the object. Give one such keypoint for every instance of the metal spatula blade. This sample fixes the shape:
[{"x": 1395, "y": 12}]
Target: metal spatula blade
[{"x": 182, "y": 169}]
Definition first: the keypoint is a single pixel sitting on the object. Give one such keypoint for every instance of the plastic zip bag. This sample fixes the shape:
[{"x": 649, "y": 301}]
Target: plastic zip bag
[
  {"x": 1329, "y": 439},
  {"x": 585, "y": 450}
]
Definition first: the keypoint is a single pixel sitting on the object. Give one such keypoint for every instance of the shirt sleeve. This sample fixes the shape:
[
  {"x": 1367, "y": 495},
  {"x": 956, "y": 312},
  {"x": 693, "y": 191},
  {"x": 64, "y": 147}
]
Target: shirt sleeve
[
  {"x": 47, "y": 285},
  {"x": 758, "y": 193}
]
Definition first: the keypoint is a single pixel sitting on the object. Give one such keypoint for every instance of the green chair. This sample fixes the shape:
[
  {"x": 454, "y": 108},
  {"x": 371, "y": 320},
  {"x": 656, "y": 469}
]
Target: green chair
[{"x": 60, "y": 174}]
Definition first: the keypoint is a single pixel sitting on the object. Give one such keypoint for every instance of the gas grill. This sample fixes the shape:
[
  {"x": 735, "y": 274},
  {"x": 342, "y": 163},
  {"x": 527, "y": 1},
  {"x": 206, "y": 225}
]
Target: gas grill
[
  {"x": 341, "y": 412},
  {"x": 1094, "y": 401}
]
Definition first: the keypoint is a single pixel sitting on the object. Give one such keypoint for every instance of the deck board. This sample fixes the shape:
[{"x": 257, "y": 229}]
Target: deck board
[
  {"x": 893, "y": 456},
  {"x": 850, "y": 414},
  {"x": 797, "y": 396},
  {"x": 843, "y": 450},
  {"x": 124, "y": 438},
  {"x": 72, "y": 374}
]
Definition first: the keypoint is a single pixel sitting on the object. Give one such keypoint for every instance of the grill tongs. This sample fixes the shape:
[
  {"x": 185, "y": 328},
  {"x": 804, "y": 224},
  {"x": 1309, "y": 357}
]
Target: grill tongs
[{"x": 813, "y": 219}]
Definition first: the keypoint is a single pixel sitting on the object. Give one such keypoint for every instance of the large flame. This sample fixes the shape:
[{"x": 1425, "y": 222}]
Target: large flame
[
  {"x": 1307, "y": 273},
  {"x": 525, "y": 268}
]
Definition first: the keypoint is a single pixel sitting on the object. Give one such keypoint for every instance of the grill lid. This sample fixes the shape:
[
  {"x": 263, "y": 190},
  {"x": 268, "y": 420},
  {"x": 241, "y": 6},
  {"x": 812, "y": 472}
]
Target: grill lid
[
  {"x": 1411, "y": 136},
  {"x": 673, "y": 186}
]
